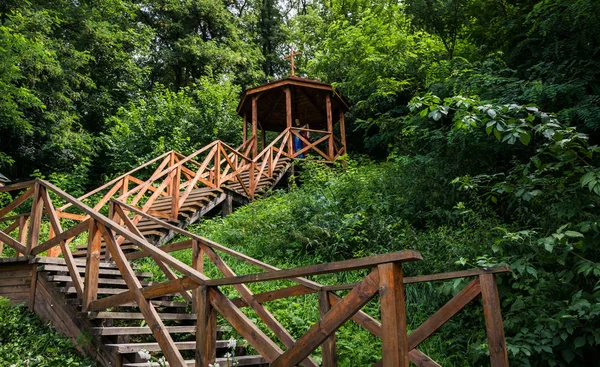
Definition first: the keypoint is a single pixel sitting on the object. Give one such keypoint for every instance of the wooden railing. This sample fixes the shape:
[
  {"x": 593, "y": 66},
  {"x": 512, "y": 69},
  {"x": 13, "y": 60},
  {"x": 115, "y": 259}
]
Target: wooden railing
[{"x": 385, "y": 279}]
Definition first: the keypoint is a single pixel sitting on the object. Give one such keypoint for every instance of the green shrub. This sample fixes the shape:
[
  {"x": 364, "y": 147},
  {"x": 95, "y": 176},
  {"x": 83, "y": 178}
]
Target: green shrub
[{"x": 26, "y": 341}]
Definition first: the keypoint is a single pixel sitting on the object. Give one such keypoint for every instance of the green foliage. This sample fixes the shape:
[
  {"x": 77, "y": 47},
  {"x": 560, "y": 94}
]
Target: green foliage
[
  {"x": 25, "y": 341},
  {"x": 164, "y": 120}
]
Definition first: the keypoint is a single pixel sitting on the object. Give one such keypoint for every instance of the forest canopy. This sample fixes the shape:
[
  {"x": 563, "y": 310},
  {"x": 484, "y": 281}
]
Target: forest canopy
[{"x": 473, "y": 133}]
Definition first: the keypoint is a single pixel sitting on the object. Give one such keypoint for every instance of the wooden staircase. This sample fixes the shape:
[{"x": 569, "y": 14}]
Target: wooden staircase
[
  {"x": 120, "y": 332},
  {"x": 199, "y": 203}
]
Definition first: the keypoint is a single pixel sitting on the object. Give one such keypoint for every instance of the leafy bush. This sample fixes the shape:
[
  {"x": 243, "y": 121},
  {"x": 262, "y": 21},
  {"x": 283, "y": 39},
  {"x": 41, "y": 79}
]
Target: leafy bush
[{"x": 25, "y": 341}]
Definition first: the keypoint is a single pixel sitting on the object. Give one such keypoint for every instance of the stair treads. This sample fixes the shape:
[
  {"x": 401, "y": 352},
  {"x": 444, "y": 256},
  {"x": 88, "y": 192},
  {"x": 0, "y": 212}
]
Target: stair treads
[
  {"x": 142, "y": 330},
  {"x": 154, "y": 347},
  {"x": 72, "y": 290},
  {"x": 137, "y": 315},
  {"x": 157, "y": 303},
  {"x": 242, "y": 361},
  {"x": 101, "y": 271},
  {"x": 66, "y": 278},
  {"x": 61, "y": 261}
]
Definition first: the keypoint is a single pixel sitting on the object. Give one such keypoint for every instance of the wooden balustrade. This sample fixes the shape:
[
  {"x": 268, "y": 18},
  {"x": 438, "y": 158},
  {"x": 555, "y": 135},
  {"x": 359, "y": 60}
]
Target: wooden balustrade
[{"x": 220, "y": 163}]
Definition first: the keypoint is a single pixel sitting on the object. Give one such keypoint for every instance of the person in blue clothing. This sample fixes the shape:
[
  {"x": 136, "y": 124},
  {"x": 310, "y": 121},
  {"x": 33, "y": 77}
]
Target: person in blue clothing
[{"x": 298, "y": 143}]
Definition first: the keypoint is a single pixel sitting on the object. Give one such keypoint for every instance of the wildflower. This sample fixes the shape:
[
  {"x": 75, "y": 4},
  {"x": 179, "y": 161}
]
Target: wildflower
[
  {"x": 144, "y": 354},
  {"x": 227, "y": 355},
  {"x": 231, "y": 343},
  {"x": 214, "y": 365}
]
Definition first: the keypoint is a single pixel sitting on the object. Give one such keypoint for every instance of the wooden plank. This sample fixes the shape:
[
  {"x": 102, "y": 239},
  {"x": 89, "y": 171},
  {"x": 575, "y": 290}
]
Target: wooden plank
[
  {"x": 92, "y": 269},
  {"x": 330, "y": 147},
  {"x": 16, "y": 202},
  {"x": 346, "y": 265},
  {"x": 394, "y": 338},
  {"x": 456, "y": 274},
  {"x": 206, "y": 329},
  {"x": 18, "y": 246},
  {"x": 254, "y": 122},
  {"x": 444, "y": 314},
  {"x": 296, "y": 290},
  {"x": 421, "y": 359},
  {"x": 493, "y": 320},
  {"x": 432, "y": 277},
  {"x": 332, "y": 321},
  {"x": 147, "y": 309},
  {"x": 36, "y": 218},
  {"x": 244, "y": 326},
  {"x": 328, "y": 349},
  {"x": 17, "y": 186},
  {"x": 32, "y": 290},
  {"x": 7, "y": 230}
]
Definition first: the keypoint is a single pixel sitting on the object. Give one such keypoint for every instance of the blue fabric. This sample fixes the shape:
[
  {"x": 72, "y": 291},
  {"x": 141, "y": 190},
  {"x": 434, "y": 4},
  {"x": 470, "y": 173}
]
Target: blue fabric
[{"x": 298, "y": 146}]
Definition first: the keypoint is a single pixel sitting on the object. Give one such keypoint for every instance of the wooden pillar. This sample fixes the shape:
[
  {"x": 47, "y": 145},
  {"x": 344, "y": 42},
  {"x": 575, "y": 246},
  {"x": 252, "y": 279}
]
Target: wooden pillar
[
  {"x": 35, "y": 222},
  {"x": 254, "y": 123},
  {"x": 197, "y": 264},
  {"x": 343, "y": 131},
  {"x": 394, "y": 336},
  {"x": 330, "y": 144},
  {"x": 329, "y": 345},
  {"x": 175, "y": 187},
  {"x": 493, "y": 320},
  {"x": 23, "y": 224},
  {"x": 288, "y": 117},
  {"x": 92, "y": 269},
  {"x": 206, "y": 329},
  {"x": 245, "y": 128},
  {"x": 227, "y": 206},
  {"x": 54, "y": 251}
]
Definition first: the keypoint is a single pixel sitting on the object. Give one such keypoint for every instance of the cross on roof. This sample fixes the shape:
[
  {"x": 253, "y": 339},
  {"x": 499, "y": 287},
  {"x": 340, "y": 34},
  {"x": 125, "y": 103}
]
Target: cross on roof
[{"x": 291, "y": 57}]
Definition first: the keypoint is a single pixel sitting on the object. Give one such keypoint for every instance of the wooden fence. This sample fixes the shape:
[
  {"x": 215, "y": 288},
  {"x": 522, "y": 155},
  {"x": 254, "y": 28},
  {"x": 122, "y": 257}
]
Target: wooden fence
[{"x": 385, "y": 279}]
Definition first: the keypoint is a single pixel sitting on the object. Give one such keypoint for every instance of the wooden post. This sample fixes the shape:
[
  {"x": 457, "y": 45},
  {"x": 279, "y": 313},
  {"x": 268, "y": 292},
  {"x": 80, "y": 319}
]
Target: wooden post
[
  {"x": 343, "y": 131},
  {"x": 54, "y": 251},
  {"x": 330, "y": 144},
  {"x": 329, "y": 346},
  {"x": 92, "y": 269},
  {"x": 171, "y": 163},
  {"x": 175, "y": 184},
  {"x": 22, "y": 230},
  {"x": 227, "y": 206},
  {"x": 254, "y": 123},
  {"x": 206, "y": 329},
  {"x": 36, "y": 217},
  {"x": 217, "y": 167},
  {"x": 394, "y": 336},
  {"x": 245, "y": 128},
  {"x": 288, "y": 117},
  {"x": 493, "y": 320}
]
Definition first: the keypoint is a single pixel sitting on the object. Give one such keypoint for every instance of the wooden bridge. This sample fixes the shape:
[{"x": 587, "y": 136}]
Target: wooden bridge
[{"x": 94, "y": 288}]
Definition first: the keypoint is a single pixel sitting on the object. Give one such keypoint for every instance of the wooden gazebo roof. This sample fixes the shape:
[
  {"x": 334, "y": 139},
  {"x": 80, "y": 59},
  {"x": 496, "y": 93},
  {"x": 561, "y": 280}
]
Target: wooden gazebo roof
[{"x": 308, "y": 103}]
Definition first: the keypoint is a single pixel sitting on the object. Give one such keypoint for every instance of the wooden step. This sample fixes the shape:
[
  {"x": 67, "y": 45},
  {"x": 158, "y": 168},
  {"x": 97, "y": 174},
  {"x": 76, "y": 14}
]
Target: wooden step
[
  {"x": 72, "y": 290},
  {"x": 61, "y": 261},
  {"x": 136, "y": 315},
  {"x": 157, "y": 303},
  {"x": 241, "y": 361},
  {"x": 144, "y": 330},
  {"x": 101, "y": 271},
  {"x": 126, "y": 348},
  {"x": 66, "y": 278}
]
